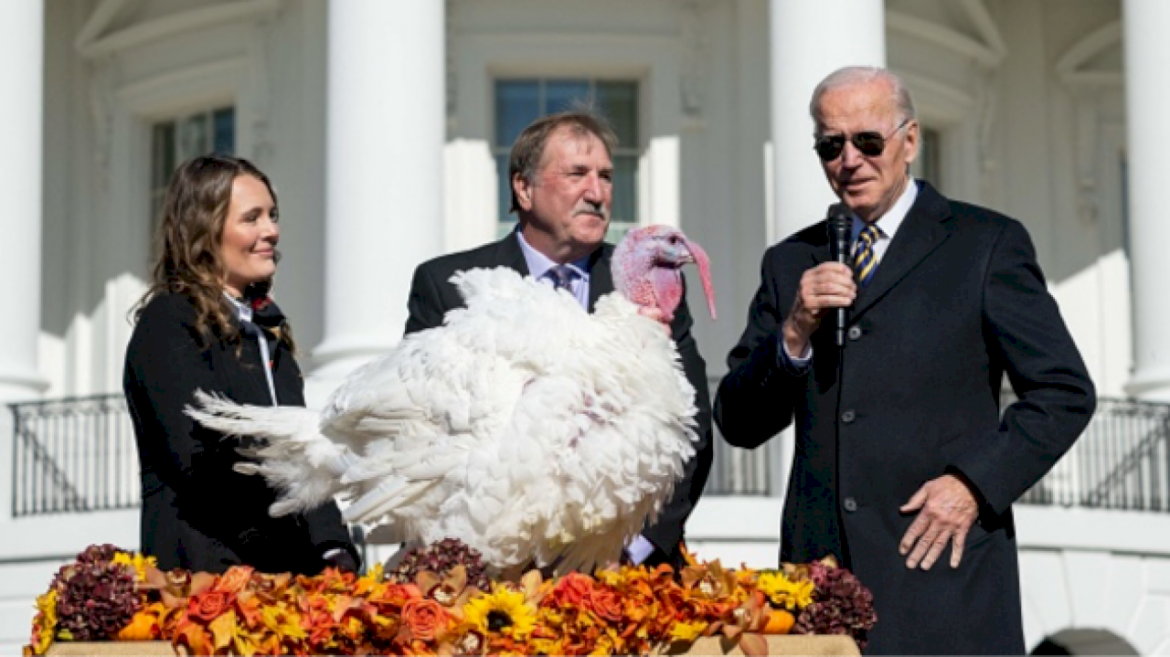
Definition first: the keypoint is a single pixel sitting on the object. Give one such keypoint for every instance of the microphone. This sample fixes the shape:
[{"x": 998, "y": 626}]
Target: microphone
[{"x": 840, "y": 225}]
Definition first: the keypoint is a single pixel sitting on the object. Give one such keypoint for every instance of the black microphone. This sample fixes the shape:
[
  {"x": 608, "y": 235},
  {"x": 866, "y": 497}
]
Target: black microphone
[{"x": 840, "y": 225}]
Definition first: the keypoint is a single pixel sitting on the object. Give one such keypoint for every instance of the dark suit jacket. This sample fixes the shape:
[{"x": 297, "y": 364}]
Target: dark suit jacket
[
  {"x": 957, "y": 302},
  {"x": 197, "y": 513},
  {"x": 432, "y": 295}
]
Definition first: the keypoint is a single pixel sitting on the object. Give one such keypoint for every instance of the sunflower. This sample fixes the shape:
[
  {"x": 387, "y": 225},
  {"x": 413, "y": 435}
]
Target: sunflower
[
  {"x": 503, "y": 611},
  {"x": 784, "y": 592}
]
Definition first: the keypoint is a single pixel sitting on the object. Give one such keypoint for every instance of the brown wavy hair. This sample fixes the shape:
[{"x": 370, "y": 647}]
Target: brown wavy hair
[{"x": 190, "y": 233}]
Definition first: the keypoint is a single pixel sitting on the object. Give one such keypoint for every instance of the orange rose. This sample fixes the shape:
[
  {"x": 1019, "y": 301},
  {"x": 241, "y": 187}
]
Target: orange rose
[
  {"x": 572, "y": 589},
  {"x": 208, "y": 605},
  {"x": 425, "y": 618},
  {"x": 234, "y": 580},
  {"x": 605, "y": 603}
]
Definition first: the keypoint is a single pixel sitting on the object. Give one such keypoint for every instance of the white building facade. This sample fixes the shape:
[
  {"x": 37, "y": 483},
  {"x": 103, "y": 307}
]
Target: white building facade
[{"x": 383, "y": 125}]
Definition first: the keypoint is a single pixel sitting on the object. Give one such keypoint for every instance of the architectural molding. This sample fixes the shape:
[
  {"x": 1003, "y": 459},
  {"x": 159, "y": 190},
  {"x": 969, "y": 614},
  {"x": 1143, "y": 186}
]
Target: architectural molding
[
  {"x": 92, "y": 41},
  {"x": 260, "y": 56},
  {"x": 1075, "y": 71},
  {"x": 101, "y": 112},
  {"x": 987, "y": 48},
  {"x": 183, "y": 89},
  {"x": 694, "y": 32},
  {"x": 1073, "y": 66},
  {"x": 451, "y": 89}
]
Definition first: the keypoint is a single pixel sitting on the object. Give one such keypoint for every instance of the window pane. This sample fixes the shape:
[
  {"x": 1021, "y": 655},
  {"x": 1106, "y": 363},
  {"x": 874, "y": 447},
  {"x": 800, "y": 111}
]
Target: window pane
[
  {"x": 618, "y": 101},
  {"x": 517, "y": 105},
  {"x": 625, "y": 169},
  {"x": 224, "y": 123},
  {"x": 561, "y": 95},
  {"x": 194, "y": 137}
]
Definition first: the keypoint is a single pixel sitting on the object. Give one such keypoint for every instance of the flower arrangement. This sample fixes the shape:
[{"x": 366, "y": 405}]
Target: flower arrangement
[{"x": 442, "y": 602}]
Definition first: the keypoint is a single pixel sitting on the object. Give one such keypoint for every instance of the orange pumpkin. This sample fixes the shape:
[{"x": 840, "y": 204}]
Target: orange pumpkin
[{"x": 779, "y": 622}]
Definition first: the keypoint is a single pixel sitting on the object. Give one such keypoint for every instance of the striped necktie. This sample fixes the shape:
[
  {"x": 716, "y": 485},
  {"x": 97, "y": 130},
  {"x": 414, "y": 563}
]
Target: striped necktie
[{"x": 864, "y": 258}]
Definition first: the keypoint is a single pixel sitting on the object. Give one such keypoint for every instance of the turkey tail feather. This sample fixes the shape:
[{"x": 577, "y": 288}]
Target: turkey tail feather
[{"x": 297, "y": 460}]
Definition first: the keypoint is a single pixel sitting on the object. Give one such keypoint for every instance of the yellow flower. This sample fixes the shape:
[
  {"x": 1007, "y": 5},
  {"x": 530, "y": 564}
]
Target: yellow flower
[
  {"x": 46, "y": 622},
  {"x": 375, "y": 574},
  {"x": 138, "y": 562},
  {"x": 501, "y": 612},
  {"x": 687, "y": 631},
  {"x": 784, "y": 592}
]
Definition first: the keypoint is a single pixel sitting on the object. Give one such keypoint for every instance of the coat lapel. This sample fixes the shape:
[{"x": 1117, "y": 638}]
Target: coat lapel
[
  {"x": 600, "y": 275},
  {"x": 510, "y": 255},
  {"x": 922, "y": 232}
]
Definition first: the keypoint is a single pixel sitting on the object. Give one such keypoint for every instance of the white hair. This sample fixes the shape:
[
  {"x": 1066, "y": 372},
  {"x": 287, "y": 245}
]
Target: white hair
[{"x": 851, "y": 75}]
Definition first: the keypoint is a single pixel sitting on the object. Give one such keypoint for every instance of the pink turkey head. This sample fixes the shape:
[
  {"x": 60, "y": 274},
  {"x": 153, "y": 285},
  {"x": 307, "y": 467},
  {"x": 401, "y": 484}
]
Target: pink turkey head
[{"x": 646, "y": 268}]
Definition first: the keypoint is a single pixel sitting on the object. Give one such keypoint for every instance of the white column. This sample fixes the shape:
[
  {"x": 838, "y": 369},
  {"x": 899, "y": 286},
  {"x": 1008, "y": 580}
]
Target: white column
[
  {"x": 809, "y": 41},
  {"x": 1147, "y": 94},
  {"x": 22, "y": 30},
  {"x": 385, "y": 129}
]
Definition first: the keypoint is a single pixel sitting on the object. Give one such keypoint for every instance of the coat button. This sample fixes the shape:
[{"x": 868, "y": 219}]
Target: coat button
[
  {"x": 854, "y": 332},
  {"x": 848, "y": 416},
  {"x": 850, "y": 504}
]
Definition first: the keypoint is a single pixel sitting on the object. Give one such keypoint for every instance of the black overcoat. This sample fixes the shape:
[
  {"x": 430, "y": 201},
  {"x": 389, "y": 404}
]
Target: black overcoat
[
  {"x": 197, "y": 513},
  {"x": 432, "y": 295},
  {"x": 957, "y": 302}
]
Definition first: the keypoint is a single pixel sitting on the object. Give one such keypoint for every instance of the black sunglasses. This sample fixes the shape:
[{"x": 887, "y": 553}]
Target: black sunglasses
[{"x": 870, "y": 144}]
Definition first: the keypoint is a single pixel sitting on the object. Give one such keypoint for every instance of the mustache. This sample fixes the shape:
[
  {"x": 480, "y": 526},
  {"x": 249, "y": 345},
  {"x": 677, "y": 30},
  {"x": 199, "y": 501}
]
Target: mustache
[{"x": 589, "y": 207}]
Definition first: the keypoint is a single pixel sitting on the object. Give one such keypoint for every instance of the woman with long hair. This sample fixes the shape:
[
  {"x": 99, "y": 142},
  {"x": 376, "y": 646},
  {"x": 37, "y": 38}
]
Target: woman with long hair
[{"x": 207, "y": 323}]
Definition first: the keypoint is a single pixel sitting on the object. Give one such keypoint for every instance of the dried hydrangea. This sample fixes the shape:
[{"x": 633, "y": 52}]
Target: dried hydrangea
[
  {"x": 95, "y": 596},
  {"x": 441, "y": 557},
  {"x": 841, "y": 605}
]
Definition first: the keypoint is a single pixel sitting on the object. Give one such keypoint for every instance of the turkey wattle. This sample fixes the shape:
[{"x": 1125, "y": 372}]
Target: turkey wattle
[{"x": 531, "y": 430}]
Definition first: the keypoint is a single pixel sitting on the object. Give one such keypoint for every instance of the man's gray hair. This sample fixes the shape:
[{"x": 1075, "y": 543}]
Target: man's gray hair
[{"x": 851, "y": 75}]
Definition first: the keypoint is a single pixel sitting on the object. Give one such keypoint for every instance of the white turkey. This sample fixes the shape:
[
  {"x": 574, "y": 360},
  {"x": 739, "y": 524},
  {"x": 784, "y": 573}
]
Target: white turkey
[{"x": 531, "y": 430}]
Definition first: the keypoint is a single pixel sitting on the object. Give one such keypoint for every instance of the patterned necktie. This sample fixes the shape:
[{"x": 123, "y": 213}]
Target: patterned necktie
[
  {"x": 562, "y": 277},
  {"x": 864, "y": 258}
]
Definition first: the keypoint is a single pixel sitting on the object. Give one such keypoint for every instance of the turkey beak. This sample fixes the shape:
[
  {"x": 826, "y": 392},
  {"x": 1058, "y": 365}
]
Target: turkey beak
[{"x": 699, "y": 257}]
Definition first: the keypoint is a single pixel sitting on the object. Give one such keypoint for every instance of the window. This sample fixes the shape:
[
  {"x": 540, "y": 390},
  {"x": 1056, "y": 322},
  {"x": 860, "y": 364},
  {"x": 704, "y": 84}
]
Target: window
[
  {"x": 174, "y": 142},
  {"x": 519, "y": 102},
  {"x": 928, "y": 165}
]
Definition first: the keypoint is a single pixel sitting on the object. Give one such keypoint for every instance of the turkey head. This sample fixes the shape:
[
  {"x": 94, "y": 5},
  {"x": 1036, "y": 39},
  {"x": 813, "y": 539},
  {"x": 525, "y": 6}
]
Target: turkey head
[{"x": 647, "y": 264}]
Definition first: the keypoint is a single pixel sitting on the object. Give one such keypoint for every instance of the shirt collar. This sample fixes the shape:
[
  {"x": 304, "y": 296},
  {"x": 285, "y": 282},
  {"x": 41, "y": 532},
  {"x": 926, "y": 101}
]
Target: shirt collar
[
  {"x": 539, "y": 263},
  {"x": 889, "y": 222}
]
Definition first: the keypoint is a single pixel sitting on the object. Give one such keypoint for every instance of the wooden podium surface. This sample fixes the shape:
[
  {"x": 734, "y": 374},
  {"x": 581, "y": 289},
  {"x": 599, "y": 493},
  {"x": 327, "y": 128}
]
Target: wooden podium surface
[{"x": 791, "y": 644}]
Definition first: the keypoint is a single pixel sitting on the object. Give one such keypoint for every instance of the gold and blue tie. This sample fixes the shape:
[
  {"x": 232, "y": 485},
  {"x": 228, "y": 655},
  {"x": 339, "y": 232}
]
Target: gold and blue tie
[{"x": 864, "y": 258}]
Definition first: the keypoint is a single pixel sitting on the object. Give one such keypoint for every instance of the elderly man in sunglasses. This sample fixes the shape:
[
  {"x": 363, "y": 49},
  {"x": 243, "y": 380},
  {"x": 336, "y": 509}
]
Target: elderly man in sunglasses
[{"x": 903, "y": 467}]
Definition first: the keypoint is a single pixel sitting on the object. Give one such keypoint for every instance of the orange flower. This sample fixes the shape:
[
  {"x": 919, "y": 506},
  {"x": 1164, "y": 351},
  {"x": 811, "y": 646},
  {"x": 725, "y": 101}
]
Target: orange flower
[
  {"x": 604, "y": 602},
  {"x": 233, "y": 580},
  {"x": 571, "y": 590},
  {"x": 425, "y": 618},
  {"x": 206, "y": 606},
  {"x": 144, "y": 626}
]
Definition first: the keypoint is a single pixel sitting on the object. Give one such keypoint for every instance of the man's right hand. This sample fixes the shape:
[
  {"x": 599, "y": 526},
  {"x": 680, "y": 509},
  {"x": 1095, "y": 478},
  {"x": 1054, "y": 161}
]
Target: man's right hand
[{"x": 823, "y": 288}]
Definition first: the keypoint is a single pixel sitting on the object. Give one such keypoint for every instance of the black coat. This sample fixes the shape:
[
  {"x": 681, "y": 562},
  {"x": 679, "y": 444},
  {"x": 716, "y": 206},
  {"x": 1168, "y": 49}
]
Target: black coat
[
  {"x": 432, "y": 295},
  {"x": 197, "y": 513},
  {"x": 957, "y": 302}
]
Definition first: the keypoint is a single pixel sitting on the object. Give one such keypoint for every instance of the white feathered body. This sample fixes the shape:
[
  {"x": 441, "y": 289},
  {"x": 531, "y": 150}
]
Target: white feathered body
[{"x": 524, "y": 426}]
